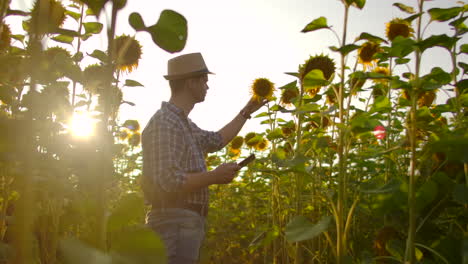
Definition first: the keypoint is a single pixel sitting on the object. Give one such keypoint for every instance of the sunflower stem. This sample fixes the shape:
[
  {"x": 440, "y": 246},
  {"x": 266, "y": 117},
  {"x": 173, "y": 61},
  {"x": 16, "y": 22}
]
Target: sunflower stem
[
  {"x": 410, "y": 245},
  {"x": 341, "y": 244},
  {"x": 78, "y": 48}
]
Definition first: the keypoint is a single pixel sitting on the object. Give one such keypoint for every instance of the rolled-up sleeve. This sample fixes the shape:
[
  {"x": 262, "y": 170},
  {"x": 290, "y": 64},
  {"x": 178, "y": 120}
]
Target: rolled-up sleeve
[{"x": 166, "y": 157}]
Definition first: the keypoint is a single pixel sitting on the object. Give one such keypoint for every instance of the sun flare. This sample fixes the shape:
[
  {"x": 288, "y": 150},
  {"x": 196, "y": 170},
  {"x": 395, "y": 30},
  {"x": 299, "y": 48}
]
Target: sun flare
[{"x": 82, "y": 125}]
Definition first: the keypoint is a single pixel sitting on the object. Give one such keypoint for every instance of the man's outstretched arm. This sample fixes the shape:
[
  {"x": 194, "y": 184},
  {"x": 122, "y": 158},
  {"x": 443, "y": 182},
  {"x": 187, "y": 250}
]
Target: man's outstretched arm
[{"x": 229, "y": 131}]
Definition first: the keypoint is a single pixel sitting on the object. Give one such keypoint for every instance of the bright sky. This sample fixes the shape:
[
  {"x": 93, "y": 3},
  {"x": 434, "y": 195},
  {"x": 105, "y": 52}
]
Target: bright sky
[{"x": 243, "y": 40}]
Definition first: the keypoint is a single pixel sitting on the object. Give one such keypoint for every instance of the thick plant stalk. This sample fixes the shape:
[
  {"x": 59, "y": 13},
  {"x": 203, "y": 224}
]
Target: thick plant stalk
[
  {"x": 4, "y": 4},
  {"x": 106, "y": 164},
  {"x": 24, "y": 210},
  {"x": 410, "y": 244},
  {"x": 340, "y": 235}
]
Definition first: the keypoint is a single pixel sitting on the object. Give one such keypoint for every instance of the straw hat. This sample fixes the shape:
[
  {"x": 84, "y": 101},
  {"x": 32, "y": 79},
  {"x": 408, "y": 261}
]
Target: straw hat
[{"x": 186, "y": 66}]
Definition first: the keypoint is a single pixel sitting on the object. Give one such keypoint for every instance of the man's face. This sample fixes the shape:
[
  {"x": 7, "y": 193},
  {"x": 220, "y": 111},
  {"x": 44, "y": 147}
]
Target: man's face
[{"x": 198, "y": 87}]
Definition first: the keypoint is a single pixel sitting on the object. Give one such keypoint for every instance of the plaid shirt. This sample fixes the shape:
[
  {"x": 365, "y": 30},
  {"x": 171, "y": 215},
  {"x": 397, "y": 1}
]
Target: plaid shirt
[{"x": 172, "y": 147}]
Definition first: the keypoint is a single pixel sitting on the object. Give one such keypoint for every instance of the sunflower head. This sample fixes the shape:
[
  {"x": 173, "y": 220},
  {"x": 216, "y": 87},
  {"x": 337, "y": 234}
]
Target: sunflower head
[
  {"x": 366, "y": 53},
  {"x": 46, "y": 16},
  {"x": 288, "y": 129},
  {"x": 262, "y": 88},
  {"x": 128, "y": 53},
  {"x": 398, "y": 27},
  {"x": 234, "y": 153},
  {"x": 93, "y": 77},
  {"x": 426, "y": 98},
  {"x": 237, "y": 142},
  {"x": 288, "y": 95},
  {"x": 262, "y": 144},
  {"x": 5, "y": 37},
  {"x": 318, "y": 62},
  {"x": 251, "y": 139},
  {"x": 381, "y": 70}
]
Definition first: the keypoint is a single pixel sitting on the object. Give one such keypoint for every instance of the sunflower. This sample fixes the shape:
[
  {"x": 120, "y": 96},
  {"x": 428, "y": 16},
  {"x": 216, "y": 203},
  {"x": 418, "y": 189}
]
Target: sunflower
[
  {"x": 249, "y": 139},
  {"x": 46, "y": 16},
  {"x": 128, "y": 51},
  {"x": 379, "y": 90},
  {"x": 288, "y": 94},
  {"x": 426, "y": 98},
  {"x": 262, "y": 88},
  {"x": 318, "y": 62},
  {"x": 314, "y": 91},
  {"x": 381, "y": 70},
  {"x": 234, "y": 153},
  {"x": 93, "y": 77},
  {"x": 398, "y": 27},
  {"x": 366, "y": 53},
  {"x": 237, "y": 142},
  {"x": 5, "y": 37},
  {"x": 262, "y": 144},
  {"x": 288, "y": 129}
]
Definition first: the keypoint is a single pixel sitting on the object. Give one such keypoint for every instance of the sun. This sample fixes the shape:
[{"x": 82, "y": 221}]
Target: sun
[{"x": 82, "y": 125}]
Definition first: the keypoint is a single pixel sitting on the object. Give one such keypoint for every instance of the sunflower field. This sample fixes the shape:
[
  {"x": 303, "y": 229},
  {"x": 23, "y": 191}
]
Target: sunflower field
[{"x": 356, "y": 159}]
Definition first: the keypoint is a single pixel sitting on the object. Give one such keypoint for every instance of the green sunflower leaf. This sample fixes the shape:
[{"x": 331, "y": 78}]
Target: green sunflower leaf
[
  {"x": 132, "y": 83},
  {"x": 444, "y": 14},
  {"x": 136, "y": 21},
  {"x": 458, "y": 23},
  {"x": 437, "y": 40},
  {"x": 402, "y": 61},
  {"x": 316, "y": 24},
  {"x": 67, "y": 32},
  {"x": 370, "y": 37},
  {"x": 313, "y": 79},
  {"x": 99, "y": 54},
  {"x": 64, "y": 39},
  {"x": 300, "y": 228},
  {"x": 360, "y": 3},
  {"x": 290, "y": 85},
  {"x": 92, "y": 27},
  {"x": 402, "y": 47},
  {"x": 295, "y": 74},
  {"x": 413, "y": 17},
  {"x": 76, "y": 16},
  {"x": 95, "y": 5},
  {"x": 464, "y": 66},
  {"x": 345, "y": 50},
  {"x": 381, "y": 104},
  {"x": 464, "y": 48},
  {"x": 170, "y": 32},
  {"x": 404, "y": 8},
  {"x": 19, "y": 37}
]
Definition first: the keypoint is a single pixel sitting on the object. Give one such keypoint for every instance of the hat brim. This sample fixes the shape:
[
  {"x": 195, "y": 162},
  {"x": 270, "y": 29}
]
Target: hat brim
[{"x": 186, "y": 75}]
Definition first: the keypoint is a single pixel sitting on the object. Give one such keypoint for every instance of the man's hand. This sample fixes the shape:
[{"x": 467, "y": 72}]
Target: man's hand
[
  {"x": 253, "y": 105},
  {"x": 226, "y": 172}
]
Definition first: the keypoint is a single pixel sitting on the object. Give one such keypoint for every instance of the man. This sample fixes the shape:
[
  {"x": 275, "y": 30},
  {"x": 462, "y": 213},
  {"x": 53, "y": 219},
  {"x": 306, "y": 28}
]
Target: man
[{"x": 175, "y": 177}]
